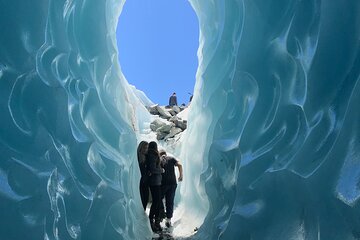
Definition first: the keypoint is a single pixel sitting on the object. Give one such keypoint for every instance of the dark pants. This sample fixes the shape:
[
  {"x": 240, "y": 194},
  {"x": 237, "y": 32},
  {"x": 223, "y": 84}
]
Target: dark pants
[
  {"x": 168, "y": 191},
  {"x": 155, "y": 206},
  {"x": 144, "y": 193}
]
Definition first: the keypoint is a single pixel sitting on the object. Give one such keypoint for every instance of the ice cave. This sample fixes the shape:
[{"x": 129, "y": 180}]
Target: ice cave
[{"x": 272, "y": 148}]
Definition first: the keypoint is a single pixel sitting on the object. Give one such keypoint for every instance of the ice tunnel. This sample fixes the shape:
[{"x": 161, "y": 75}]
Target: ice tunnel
[{"x": 272, "y": 150}]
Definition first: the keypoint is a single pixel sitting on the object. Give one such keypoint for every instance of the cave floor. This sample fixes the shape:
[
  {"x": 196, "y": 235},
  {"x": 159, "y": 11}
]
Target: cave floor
[
  {"x": 178, "y": 230},
  {"x": 165, "y": 234}
]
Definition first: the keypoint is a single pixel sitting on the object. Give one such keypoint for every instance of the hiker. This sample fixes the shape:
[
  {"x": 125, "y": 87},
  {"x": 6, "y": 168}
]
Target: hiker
[
  {"x": 169, "y": 184},
  {"x": 155, "y": 171},
  {"x": 144, "y": 185},
  {"x": 173, "y": 100}
]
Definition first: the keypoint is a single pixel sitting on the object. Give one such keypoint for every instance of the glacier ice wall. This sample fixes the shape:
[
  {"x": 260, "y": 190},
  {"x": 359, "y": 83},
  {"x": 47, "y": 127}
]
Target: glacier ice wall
[
  {"x": 68, "y": 124},
  {"x": 278, "y": 89},
  {"x": 273, "y": 127}
]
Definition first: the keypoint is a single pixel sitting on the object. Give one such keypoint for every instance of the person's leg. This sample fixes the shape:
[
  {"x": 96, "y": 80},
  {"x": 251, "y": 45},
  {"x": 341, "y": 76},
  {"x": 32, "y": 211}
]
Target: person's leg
[
  {"x": 153, "y": 208},
  {"x": 156, "y": 195},
  {"x": 144, "y": 194},
  {"x": 169, "y": 198},
  {"x": 161, "y": 207}
]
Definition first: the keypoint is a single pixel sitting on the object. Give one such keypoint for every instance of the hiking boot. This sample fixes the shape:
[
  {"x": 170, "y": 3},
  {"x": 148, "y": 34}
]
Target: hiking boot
[
  {"x": 168, "y": 222},
  {"x": 158, "y": 228},
  {"x": 162, "y": 215},
  {"x": 153, "y": 228},
  {"x": 152, "y": 225}
]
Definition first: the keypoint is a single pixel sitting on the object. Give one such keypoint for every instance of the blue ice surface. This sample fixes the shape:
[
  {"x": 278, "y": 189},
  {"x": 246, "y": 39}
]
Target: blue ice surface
[{"x": 272, "y": 148}]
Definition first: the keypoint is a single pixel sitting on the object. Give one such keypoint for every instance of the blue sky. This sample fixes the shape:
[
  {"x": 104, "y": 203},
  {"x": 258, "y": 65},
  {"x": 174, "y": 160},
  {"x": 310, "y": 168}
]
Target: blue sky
[{"x": 157, "y": 42}]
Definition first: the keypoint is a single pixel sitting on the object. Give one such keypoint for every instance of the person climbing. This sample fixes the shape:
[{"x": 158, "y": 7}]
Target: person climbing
[
  {"x": 169, "y": 184},
  {"x": 155, "y": 171},
  {"x": 173, "y": 100},
  {"x": 144, "y": 185}
]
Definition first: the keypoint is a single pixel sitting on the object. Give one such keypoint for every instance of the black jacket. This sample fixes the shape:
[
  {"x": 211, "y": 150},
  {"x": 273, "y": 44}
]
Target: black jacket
[
  {"x": 153, "y": 168},
  {"x": 168, "y": 177}
]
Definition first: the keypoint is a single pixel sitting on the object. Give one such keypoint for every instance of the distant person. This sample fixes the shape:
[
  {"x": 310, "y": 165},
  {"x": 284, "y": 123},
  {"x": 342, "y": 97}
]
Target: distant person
[
  {"x": 144, "y": 185},
  {"x": 155, "y": 171},
  {"x": 169, "y": 184},
  {"x": 173, "y": 100},
  {"x": 191, "y": 97}
]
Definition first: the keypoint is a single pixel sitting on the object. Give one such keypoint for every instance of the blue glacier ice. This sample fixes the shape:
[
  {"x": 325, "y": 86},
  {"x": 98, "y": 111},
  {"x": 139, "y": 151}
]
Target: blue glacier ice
[{"x": 272, "y": 149}]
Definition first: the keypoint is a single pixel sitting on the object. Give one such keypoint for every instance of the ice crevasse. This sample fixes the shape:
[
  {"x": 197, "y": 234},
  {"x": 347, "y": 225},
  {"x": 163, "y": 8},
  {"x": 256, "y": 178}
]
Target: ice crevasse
[{"x": 272, "y": 149}]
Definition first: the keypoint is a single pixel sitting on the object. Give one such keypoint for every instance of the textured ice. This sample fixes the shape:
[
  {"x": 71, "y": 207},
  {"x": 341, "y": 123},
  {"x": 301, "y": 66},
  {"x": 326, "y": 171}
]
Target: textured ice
[{"x": 272, "y": 149}]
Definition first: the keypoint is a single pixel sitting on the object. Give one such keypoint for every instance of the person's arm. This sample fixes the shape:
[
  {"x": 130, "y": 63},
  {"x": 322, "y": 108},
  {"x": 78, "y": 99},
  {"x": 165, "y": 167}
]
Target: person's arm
[{"x": 180, "y": 168}]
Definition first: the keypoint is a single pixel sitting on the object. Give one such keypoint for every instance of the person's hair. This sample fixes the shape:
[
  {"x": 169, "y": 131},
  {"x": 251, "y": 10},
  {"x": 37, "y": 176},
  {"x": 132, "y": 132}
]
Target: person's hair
[
  {"x": 152, "y": 148},
  {"x": 141, "y": 151},
  {"x": 162, "y": 152}
]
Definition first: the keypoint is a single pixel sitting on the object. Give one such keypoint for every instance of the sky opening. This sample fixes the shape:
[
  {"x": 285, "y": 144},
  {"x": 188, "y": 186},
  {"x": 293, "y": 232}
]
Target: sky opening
[{"x": 158, "y": 42}]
